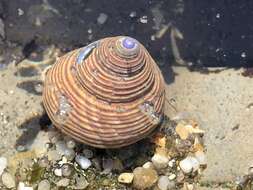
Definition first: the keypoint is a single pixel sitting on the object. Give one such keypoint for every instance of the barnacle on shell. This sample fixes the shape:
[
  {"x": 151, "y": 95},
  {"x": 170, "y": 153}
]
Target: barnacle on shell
[{"x": 108, "y": 94}]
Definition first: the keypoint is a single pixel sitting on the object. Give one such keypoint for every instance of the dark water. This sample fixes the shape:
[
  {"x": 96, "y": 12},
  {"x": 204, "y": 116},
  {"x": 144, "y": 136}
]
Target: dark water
[
  {"x": 219, "y": 32},
  {"x": 216, "y": 32}
]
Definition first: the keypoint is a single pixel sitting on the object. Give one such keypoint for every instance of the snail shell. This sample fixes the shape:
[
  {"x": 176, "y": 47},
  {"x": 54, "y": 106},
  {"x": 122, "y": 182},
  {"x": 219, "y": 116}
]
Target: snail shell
[{"x": 108, "y": 94}]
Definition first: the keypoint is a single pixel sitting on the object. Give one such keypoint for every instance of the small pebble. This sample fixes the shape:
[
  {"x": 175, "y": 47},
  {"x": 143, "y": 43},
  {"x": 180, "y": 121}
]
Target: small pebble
[
  {"x": 8, "y": 180},
  {"x": 66, "y": 170},
  {"x": 3, "y": 164},
  {"x": 20, "y": 12},
  {"x": 144, "y": 178},
  {"x": 160, "y": 161},
  {"x": 58, "y": 172},
  {"x": 164, "y": 183},
  {"x": 148, "y": 165},
  {"x": 83, "y": 162},
  {"x": 180, "y": 177},
  {"x": 64, "y": 182},
  {"x": 172, "y": 176},
  {"x": 44, "y": 185},
  {"x": 171, "y": 163},
  {"x": 144, "y": 19},
  {"x": 21, "y": 148},
  {"x": 80, "y": 182},
  {"x": 53, "y": 155},
  {"x": 71, "y": 144},
  {"x": 201, "y": 157},
  {"x": 43, "y": 162},
  {"x": 88, "y": 153},
  {"x": 21, "y": 186},
  {"x": 96, "y": 162},
  {"x": 102, "y": 18},
  {"x": 243, "y": 55},
  {"x": 189, "y": 164},
  {"x": 133, "y": 14},
  {"x": 189, "y": 186},
  {"x": 126, "y": 178},
  {"x": 89, "y": 31}
]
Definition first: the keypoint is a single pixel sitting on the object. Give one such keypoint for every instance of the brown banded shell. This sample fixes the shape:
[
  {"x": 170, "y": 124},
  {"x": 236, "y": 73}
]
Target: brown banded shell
[{"x": 108, "y": 94}]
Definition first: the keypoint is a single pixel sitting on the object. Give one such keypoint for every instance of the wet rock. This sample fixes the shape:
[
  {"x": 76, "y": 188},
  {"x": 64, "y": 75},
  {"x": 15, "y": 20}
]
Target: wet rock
[
  {"x": 164, "y": 183},
  {"x": 66, "y": 170},
  {"x": 97, "y": 163},
  {"x": 144, "y": 178},
  {"x": 83, "y": 162},
  {"x": 53, "y": 155},
  {"x": 80, "y": 182},
  {"x": 2, "y": 33},
  {"x": 189, "y": 164},
  {"x": 148, "y": 165},
  {"x": 70, "y": 143},
  {"x": 63, "y": 182},
  {"x": 44, "y": 185},
  {"x": 107, "y": 165},
  {"x": 160, "y": 161},
  {"x": 63, "y": 150},
  {"x": 43, "y": 162},
  {"x": 3, "y": 164},
  {"x": 88, "y": 153},
  {"x": 126, "y": 178},
  {"x": 8, "y": 180},
  {"x": 69, "y": 154},
  {"x": 102, "y": 18},
  {"x": 118, "y": 165}
]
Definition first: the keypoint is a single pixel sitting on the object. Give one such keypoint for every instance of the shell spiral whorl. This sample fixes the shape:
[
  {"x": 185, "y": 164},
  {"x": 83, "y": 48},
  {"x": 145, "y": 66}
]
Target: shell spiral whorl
[{"x": 108, "y": 94}]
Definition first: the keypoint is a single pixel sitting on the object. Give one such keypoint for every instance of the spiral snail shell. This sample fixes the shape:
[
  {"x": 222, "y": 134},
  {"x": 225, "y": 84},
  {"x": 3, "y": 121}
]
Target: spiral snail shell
[{"x": 107, "y": 94}]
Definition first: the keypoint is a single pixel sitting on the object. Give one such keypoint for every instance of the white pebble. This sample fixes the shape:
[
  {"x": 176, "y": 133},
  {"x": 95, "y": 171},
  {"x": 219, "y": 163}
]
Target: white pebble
[
  {"x": 133, "y": 14},
  {"x": 3, "y": 164},
  {"x": 243, "y": 55},
  {"x": 171, "y": 163},
  {"x": 102, "y": 18},
  {"x": 58, "y": 172},
  {"x": 126, "y": 178},
  {"x": 164, "y": 183},
  {"x": 83, "y": 162},
  {"x": 8, "y": 180},
  {"x": 172, "y": 176},
  {"x": 160, "y": 161},
  {"x": 189, "y": 164},
  {"x": 20, "y": 12},
  {"x": 144, "y": 19},
  {"x": 21, "y": 186}
]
